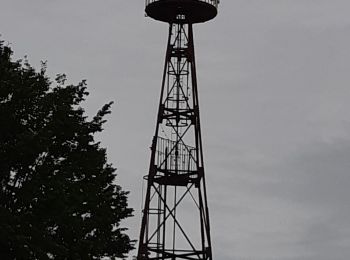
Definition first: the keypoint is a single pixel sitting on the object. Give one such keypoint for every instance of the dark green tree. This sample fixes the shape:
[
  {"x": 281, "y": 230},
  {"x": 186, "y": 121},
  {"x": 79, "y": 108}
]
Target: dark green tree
[{"x": 58, "y": 197}]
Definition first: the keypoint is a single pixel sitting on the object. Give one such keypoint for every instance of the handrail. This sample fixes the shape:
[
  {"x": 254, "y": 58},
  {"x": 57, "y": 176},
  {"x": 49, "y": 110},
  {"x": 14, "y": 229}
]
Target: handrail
[{"x": 212, "y": 2}]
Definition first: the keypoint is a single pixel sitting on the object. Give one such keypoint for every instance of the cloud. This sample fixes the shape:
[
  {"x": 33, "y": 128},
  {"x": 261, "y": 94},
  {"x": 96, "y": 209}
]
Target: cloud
[{"x": 291, "y": 208}]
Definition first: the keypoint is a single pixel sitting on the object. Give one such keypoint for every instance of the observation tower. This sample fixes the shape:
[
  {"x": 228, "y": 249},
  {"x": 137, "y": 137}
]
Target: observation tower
[{"x": 175, "y": 217}]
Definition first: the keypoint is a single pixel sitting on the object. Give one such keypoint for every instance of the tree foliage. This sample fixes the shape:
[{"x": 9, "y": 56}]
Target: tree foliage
[{"x": 58, "y": 195}]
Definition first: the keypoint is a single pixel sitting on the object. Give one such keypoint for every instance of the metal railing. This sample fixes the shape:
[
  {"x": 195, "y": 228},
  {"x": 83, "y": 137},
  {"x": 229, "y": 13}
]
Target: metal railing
[
  {"x": 175, "y": 156},
  {"x": 212, "y": 2}
]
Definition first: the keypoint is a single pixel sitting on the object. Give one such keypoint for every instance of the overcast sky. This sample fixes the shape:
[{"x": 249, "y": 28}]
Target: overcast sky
[{"x": 274, "y": 82}]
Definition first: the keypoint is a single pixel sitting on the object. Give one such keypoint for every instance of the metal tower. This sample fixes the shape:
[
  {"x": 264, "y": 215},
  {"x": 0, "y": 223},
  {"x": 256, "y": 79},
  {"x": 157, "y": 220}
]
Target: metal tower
[{"x": 175, "y": 221}]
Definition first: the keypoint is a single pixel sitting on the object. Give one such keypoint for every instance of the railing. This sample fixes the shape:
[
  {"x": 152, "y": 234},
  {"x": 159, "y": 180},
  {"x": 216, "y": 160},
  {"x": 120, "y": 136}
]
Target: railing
[
  {"x": 212, "y": 2},
  {"x": 175, "y": 156}
]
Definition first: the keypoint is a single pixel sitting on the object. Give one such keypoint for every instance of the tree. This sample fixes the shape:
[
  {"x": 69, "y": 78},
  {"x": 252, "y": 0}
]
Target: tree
[{"x": 58, "y": 197}]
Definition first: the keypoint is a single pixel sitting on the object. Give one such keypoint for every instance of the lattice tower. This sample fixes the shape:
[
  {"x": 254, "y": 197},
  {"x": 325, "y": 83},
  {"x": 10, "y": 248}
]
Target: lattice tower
[{"x": 175, "y": 219}]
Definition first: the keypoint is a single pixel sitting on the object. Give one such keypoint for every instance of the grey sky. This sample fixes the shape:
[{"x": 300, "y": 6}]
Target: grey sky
[{"x": 274, "y": 79}]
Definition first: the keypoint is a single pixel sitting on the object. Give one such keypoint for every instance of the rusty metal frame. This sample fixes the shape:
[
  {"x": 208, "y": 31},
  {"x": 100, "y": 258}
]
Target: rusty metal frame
[{"x": 177, "y": 143}]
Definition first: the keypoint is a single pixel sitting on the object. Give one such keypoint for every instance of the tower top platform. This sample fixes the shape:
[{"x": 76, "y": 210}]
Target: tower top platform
[{"x": 182, "y": 11}]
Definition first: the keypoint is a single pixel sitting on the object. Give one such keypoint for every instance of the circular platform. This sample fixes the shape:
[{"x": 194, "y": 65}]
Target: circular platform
[{"x": 181, "y": 11}]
